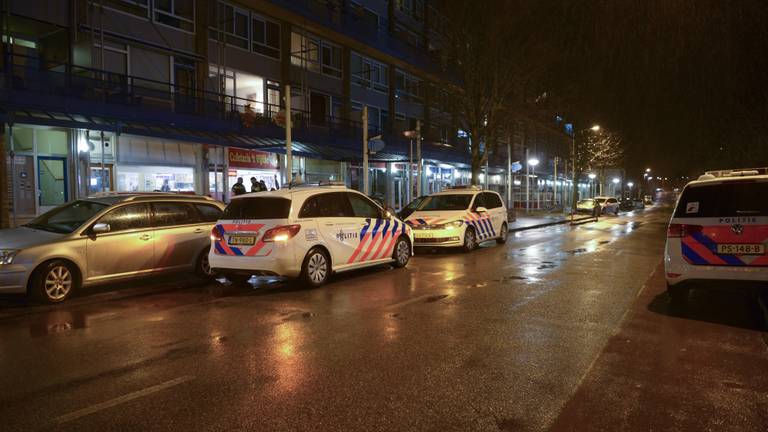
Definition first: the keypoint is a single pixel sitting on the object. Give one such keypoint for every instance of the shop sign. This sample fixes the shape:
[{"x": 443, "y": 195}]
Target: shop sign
[{"x": 252, "y": 159}]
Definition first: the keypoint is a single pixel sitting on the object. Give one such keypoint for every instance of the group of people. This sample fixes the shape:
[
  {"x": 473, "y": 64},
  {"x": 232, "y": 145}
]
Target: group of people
[{"x": 256, "y": 186}]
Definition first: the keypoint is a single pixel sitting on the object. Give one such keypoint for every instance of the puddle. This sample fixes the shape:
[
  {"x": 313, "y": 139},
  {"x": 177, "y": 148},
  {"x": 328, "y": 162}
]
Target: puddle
[
  {"x": 546, "y": 266},
  {"x": 576, "y": 251}
]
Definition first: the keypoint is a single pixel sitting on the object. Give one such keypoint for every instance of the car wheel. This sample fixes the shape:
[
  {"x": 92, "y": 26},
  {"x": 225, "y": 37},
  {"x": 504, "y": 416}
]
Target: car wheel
[
  {"x": 470, "y": 240},
  {"x": 502, "y": 234},
  {"x": 402, "y": 253},
  {"x": 677, "y": 294},
  {"x": 203, "y": 266},
  {"x": 316, "y": 268},
  {"x": 55, "y": 282}
]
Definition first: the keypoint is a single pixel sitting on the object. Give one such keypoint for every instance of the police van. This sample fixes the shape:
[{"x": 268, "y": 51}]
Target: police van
[
  {"x": 462, "y": 216},
  {"x": 307, "y": 233},
  {"x": 718, "y": 233}
]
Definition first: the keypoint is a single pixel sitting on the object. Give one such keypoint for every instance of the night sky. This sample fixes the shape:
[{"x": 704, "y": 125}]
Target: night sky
[{"x": 684, "y": 82}]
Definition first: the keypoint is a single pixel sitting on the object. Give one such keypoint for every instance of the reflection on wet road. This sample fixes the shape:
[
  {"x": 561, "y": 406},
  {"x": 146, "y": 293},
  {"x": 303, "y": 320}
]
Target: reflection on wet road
[{"x": 499, "y": 339}]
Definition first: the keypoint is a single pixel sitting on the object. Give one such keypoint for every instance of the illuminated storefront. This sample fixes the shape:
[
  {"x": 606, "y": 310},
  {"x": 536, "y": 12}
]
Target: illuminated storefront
[{"x": 252, "y": 163}]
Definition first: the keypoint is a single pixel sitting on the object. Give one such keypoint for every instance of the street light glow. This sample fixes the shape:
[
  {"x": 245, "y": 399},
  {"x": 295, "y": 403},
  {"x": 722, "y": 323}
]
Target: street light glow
[
  {"x": 630, "y": 184},
  {"x": 595, "y": 128},
  {"x": 533, "y": 161},
  {"x": 592, "y": 176},
  {"x": 647, "y": 170},
  {"x": 616, "y": 180}
]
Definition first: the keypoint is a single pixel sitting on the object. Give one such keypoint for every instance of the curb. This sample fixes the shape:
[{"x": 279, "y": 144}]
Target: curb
[{"x": 559, "y": 222}]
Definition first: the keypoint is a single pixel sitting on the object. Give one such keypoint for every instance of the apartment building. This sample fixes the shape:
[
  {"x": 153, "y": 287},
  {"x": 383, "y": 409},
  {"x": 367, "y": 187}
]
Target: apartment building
[{"x": 183, "y": 95}]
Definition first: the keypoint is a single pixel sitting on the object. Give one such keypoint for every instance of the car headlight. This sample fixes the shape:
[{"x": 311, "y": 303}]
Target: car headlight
[
  {"x": 6, "y": 256},
  {"x": 454, "y": 224}
]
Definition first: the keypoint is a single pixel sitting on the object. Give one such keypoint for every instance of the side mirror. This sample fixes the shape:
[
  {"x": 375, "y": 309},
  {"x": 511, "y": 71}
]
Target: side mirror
[
  {"x": 481, "y": 210},
  {"x": 100, "y": 228},
  {"x": 389, "y": 212}
]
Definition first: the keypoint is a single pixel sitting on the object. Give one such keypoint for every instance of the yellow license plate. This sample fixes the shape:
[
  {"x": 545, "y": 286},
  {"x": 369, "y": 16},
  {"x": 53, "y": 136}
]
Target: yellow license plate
[
  {"x": 418, "y": 234},
  {"x": 242, "y": 240},
  {"x": 741, "y": 249}
]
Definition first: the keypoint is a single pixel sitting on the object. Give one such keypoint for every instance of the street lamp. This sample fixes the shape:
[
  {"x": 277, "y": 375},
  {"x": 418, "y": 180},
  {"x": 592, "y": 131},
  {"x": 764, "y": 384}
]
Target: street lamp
[
  {"x": 647, "y": 170},
  {"x": 592, "y": 177},
  {"x": 615, "y": 182},
  {"x": 532, "y": 162},
  {"x": 630, "y": 184}
]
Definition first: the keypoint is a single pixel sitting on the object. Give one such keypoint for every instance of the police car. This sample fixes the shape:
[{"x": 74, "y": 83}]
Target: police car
[
  {"x": 460, "y": 216},
  {"x": 307, "y": 233},
  {"x": 718, "y": 234}
]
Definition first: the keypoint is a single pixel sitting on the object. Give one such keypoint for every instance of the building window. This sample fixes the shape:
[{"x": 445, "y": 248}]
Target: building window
[
  {"x": 408, "y": 85},
  {"x": 176, "y": 13},
  {"x": 231, "y": 22},
  {"x": 369, "y": 73},
  {"x": 316, "y": 55},
  {"x": 266, "y": 37},
  {"x": 273, "y": 97},
  {"x": 139, "y": 8},
  {"x": 412, "y": 8},
  {"x": 364, "y": 14}
]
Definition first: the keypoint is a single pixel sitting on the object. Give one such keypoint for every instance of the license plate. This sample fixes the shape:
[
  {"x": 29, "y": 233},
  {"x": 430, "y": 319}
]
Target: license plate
[
  {"x": 741, "y": 249},
  {"x": 418, "y": 234},
  {"x": 242, "y": 240}
]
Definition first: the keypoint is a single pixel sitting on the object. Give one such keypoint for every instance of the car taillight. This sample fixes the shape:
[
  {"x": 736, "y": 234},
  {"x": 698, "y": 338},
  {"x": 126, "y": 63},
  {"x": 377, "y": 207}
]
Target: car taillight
[
  {"x": 682, "y": 230},
  {"x": 216, "y": 235},
  {"x": 281, "y": 233}
]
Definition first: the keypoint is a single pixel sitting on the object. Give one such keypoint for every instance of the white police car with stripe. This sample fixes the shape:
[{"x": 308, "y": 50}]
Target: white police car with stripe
[
  {"x": 461, "y": 216},
  {"x": 307, "y": 233}
]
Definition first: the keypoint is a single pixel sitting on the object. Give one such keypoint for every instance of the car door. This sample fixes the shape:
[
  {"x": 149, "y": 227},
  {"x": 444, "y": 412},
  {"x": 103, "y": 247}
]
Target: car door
[
  {"x": 336, "y": 223},
  {"x": 179, "y": 234},
  {"x": 377, "y": 232},
  {"x": 496, "y": 210},
  {"x": 482, "y": 222},
  {"x": 127, "y": 249}
]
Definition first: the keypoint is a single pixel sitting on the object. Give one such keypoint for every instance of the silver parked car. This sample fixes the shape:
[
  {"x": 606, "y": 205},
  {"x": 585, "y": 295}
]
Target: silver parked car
[{"x": 106, "y": 238}]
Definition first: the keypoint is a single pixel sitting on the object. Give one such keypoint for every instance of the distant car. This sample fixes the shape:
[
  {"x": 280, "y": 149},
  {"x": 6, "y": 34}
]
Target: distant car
[
  {"x": 718, "y": 233},
  {"x": 585, "y": 206},
  {"x": 608, "y": 205},
  {"x": 460, "y": 217},
  {"x": 106, "y": 238},
  {"x": 410, "y": 208},
  {"x": 627, "y": 204},
  {"x": 307, "y": 233}
]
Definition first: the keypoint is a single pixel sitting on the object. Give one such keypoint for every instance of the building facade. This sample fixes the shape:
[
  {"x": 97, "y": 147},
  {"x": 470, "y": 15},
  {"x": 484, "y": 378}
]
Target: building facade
[{"x": 187, "y": 96}]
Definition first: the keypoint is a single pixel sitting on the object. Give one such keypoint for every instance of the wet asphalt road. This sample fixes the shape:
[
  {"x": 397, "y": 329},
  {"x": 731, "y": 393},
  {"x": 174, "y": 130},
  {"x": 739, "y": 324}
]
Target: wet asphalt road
[{"x": 564, "y": 328}]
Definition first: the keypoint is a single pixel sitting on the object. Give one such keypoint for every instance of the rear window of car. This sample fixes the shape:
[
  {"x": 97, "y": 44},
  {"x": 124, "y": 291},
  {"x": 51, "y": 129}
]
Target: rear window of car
[
  {"x": 734, "y": 198},
  {"x": 258, "y": 208}
]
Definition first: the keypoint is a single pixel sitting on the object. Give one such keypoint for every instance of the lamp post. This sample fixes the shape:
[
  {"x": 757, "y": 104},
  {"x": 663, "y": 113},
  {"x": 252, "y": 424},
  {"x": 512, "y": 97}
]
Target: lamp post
[
  {"x": 532, "y": 162},
  {"x": 591, "y": 183},
  {"x": 630, "y": 184},
  {"x": 615, "y": 182}
]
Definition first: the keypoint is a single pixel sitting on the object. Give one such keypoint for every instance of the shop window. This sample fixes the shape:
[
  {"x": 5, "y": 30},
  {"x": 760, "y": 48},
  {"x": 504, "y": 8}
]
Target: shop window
[
  {"x": 176, "y": 13},
  {"x": 266, "y": 37},
  {"x": 23, "y": 139},
  {"x": 134, "y": 216},
  {"x": 51, "y": 141},
  {"x": 155, "y": 179}
]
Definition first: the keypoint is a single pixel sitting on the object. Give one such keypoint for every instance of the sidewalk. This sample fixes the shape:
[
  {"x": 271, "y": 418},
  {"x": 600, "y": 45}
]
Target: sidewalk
[{"x": 532, "y": 220}]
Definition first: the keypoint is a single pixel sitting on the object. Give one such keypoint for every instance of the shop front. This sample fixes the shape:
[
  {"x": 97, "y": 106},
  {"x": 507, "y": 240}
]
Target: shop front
[
  {"x": 247, "y": 164},
  {"x": 146, "y": 164}
]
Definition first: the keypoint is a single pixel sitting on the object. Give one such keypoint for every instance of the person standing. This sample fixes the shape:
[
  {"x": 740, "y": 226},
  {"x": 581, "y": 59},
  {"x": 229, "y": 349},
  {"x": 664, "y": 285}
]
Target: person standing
[
  {"x": 255, "y": 186},
  {"x": 238, "y": 188}
]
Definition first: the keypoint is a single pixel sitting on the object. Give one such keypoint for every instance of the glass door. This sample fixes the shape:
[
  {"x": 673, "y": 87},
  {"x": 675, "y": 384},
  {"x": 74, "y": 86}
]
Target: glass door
[{"x": 52, "y": 182}]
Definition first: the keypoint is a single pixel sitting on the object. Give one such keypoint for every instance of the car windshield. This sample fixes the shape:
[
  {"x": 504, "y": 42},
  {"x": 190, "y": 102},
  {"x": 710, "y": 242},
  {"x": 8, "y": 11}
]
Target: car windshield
[
  {"x": 414, "y": 204},
  {"x": 587, "y": 202},
  {"x": 600, "y": 200},
  {"x": 68, "y": 217},
  {"x": 258, "y": 208},
  {"x": 446, "y": 202},
  {"x": 732, "y": 198}
]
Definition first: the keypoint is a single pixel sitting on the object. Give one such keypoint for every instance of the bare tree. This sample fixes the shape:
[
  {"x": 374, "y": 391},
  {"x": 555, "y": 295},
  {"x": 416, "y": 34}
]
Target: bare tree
[
  {"x": 495, "y": 54},
  {"x": 595, "y": 152}
]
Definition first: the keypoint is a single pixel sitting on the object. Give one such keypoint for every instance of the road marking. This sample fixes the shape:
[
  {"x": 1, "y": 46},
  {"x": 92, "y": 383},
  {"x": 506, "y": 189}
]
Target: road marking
[{"x": 122, "y": 399}]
